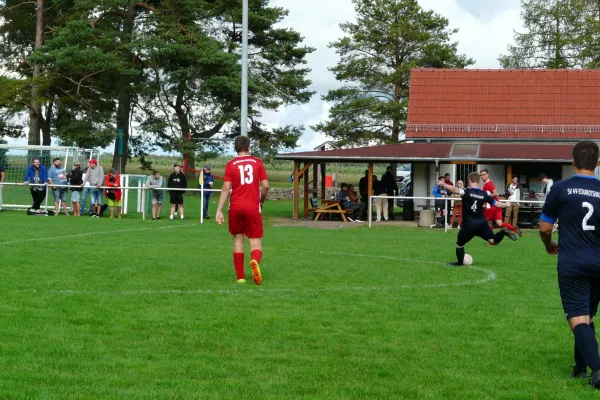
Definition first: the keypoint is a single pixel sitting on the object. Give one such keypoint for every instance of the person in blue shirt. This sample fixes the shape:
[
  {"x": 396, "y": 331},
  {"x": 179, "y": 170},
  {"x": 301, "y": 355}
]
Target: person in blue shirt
[
  {"x": 474, "y": 221},
  {"x": 440, "y": 192},
  {"x": 57, "y": 176},
  {"x": 576, "y": 202},
  {"x": 209, "y": 181},
  {"x": 36, "y": 174}
]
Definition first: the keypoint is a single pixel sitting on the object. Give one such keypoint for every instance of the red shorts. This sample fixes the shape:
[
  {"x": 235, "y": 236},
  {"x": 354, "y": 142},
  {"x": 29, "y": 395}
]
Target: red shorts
[
  {"x": 247, "y": 222},
  {"x": 493, "y": 214}
]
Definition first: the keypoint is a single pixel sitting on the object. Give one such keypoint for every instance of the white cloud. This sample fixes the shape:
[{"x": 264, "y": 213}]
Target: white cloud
[{"x": 485, "y": 30}]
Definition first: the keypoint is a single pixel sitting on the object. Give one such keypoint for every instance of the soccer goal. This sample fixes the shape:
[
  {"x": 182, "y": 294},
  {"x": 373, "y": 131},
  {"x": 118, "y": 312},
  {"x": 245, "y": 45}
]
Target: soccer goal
[{"x": 16, "y": 160}]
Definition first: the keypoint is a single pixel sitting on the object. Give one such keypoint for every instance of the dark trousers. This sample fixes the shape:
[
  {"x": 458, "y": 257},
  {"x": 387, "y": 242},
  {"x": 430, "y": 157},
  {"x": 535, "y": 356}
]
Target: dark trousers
[
  {"x": 38, "y": 197},
  {"x": 205, "y": 205},
  {"x": 358, "y": 208},
  {"x": 391, "y": 206}
]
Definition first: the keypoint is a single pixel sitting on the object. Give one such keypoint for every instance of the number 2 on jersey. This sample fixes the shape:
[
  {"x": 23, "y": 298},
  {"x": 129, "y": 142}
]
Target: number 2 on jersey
[
  {"x": 246, "y": 174},
  {"x": 587, "y": 217}
]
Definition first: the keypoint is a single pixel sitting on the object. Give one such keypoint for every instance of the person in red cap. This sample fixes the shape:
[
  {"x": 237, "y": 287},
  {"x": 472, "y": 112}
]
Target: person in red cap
[{"x": 95, "y": 177}]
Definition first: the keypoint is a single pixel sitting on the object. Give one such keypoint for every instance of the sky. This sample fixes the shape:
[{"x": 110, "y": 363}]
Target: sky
[{"x": 486, "y": 28}]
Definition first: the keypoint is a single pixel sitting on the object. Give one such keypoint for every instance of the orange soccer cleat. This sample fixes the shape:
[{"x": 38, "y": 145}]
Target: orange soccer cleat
[{"x": 256, "y": 276}]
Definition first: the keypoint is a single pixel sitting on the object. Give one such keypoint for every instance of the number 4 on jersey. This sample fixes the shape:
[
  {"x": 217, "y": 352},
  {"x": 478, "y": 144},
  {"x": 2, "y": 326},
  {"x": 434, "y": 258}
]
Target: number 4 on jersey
[{"x": 246, "y": 174}]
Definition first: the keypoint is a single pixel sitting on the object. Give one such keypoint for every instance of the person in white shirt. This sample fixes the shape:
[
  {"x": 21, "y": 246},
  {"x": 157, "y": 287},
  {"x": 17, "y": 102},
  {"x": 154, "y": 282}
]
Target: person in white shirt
[
  {"x": 513, "y": 192},
  {"x": 549, "y": 182}
]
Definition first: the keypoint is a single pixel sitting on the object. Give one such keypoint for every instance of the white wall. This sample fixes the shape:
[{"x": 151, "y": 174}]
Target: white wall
[
  {"x": 497, "y": 174},
  {"x": 568, "y": 171},
  {"x": 420, "y": 187}
]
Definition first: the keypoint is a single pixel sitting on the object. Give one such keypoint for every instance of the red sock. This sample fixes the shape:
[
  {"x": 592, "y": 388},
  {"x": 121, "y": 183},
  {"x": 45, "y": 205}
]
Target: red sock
[
  {"x": 508, "y": 226},
  {"x": 256, "y": 255},
  {"x": 238, "y": 263}
]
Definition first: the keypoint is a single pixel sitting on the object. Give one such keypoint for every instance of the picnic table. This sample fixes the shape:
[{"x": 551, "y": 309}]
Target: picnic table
[{"x": 330, "y": 207}]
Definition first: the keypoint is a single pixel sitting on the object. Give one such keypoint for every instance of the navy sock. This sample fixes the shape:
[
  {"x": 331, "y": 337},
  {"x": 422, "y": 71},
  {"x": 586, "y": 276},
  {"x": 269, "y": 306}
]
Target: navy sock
[
  {"x": 585, "y": 339},
  {"x": 460, "y": 255},
  {"x": 499, "y": 236},
  {"x": 580, "y": 364}
]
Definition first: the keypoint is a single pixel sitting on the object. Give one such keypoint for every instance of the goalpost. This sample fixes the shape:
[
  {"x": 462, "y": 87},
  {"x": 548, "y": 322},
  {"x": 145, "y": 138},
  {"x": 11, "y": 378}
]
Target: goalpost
[{"x": 16, "y": 160}]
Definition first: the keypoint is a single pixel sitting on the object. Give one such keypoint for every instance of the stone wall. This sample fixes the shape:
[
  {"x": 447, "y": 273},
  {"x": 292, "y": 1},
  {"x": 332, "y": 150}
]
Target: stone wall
[{"x": 288, "y": 194}]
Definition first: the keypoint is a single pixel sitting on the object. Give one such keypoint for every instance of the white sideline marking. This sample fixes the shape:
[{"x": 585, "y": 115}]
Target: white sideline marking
[
  {"x": 490, "y": 275},
  {"x": 94, "y": 233}
]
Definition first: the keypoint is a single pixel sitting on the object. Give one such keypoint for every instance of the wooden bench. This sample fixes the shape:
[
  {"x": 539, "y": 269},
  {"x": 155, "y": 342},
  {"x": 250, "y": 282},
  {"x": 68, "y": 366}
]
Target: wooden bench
[{"x": 330, "y": 207}]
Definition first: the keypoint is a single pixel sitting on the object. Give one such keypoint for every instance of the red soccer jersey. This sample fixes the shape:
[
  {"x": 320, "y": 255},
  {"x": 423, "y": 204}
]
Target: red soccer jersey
[
  {"x": 489, "y": 187},
  {"x": 245, "y": 174}
]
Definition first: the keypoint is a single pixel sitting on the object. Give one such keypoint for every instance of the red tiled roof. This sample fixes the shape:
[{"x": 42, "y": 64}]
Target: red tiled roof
[
  {"x": 453, "y": 103},
  {"x": 415, "y": 152}
]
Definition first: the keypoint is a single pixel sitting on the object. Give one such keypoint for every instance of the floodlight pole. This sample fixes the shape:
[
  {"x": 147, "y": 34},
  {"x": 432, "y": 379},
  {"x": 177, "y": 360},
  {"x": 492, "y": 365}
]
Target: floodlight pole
[{"x": 244, "y": 111}]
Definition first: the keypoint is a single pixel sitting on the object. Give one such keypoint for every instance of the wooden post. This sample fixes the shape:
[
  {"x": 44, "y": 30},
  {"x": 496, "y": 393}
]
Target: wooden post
[
  {"x": 315, "y": 184},
  {"x": 306, "y": 167},
  {"x": 296, "y": 188},
  {"x": 323, "y": 177},
  {"x": 509, "y": 174}
]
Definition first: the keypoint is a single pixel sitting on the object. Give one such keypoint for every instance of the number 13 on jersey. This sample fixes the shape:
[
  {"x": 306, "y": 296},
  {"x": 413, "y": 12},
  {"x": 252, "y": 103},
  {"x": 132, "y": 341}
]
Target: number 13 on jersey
[{"x": 246, "y": 174}]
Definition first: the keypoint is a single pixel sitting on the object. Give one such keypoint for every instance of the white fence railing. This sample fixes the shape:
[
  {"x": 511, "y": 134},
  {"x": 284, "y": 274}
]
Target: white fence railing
[
  {"x": 446, "y": 205},
  {"x": 125, "y": 189}
]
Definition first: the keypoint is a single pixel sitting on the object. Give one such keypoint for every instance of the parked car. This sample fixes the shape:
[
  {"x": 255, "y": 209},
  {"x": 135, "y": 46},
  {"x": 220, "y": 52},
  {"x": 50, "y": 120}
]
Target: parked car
[
  {"x": 403, "y": 173},
  {"x": 404, "y": 191}
]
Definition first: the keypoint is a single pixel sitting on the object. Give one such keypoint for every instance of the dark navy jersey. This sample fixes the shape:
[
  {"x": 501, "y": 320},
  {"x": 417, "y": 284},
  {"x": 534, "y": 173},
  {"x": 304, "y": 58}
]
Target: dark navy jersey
[
  {"x": 473, "y": 200},
  {"x": 575, "y": 202}
]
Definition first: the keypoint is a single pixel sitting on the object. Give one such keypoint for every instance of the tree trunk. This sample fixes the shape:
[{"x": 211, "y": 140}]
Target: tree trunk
[
  {"x": 184, "y": 125},
  {"x": 35, "y": 110},
  {"x": 124, "y": 96},
  {"x": 46, "y": 124}
]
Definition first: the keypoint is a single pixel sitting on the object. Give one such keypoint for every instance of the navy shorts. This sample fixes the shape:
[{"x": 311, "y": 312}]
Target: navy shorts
[
  {"x": 481, "y": 230},
  {"x": 580, "y": 294}
]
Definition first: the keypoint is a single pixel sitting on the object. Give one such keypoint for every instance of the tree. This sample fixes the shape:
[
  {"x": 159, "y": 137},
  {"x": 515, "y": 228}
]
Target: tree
[
  {"x": 388, "y": 38},
  {"x": 553, "y": 37}
]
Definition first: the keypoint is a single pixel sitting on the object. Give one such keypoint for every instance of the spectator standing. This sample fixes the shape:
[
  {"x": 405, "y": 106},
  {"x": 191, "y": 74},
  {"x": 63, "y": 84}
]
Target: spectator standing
[
  {"x": 177, "y": 180},
  {"x": 2, "y": 178},
  {"x": 113, "y": 180},
  {"x": 57, "y": 177},
  {"x": 85, "y": 193},
  {"x": 513, "y": 192},
  {"x": 95, "y": 177},
  {"x": 37, "y": 174},
  {"x": 457, "y": 210},
  {"x": 391, "y": 189},
  {"x": 208, "y": 181},
  {"x": 363, "y": 189},
  {"x": 440, "y": 192},
  {"x": 447, "y": 180},
  {"x": 380, "y": 203},
  {"x": 76, "y": 179},
  {"x": 155, "y": 183},
  {"x": 549, "y": 182}
]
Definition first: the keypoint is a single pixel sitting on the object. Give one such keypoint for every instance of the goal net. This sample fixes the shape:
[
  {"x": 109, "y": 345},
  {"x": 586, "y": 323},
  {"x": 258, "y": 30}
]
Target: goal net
[{"x": 16, "y": 160}]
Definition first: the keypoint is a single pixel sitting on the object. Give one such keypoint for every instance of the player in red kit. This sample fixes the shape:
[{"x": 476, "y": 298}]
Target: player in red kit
[
  {"x": 246, "y": 177},
  {"x": 494, "y": 213}
]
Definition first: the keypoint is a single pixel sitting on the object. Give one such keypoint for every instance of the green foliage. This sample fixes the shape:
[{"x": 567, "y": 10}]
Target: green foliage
[
  {"x": 558, "y": 34},
  {"x": 388, "y": 38}
]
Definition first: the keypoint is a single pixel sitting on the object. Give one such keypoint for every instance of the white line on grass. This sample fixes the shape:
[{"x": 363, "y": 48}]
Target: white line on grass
[
  {"x": 94, "y": 233},
  {"x": 490, "y": 275}
]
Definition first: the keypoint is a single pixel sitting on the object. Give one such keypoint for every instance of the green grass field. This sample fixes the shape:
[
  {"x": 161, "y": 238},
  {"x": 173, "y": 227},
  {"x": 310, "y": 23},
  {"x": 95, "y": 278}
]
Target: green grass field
[{"x": 132, "y": 309}]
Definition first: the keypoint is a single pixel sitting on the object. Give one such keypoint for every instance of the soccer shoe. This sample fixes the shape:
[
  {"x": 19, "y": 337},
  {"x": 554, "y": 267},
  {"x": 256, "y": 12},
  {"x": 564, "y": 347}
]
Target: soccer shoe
[
  {"x": 453, "y": 264},
  {"x": 518, "y": 231},
  {"x": 595, "y": 381},
  {"x": 511, "y": 235},
  {"x": 241, "y": 281},
  {"x": 256, "y": 276},
  {"x": 578, "y": 373}
]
